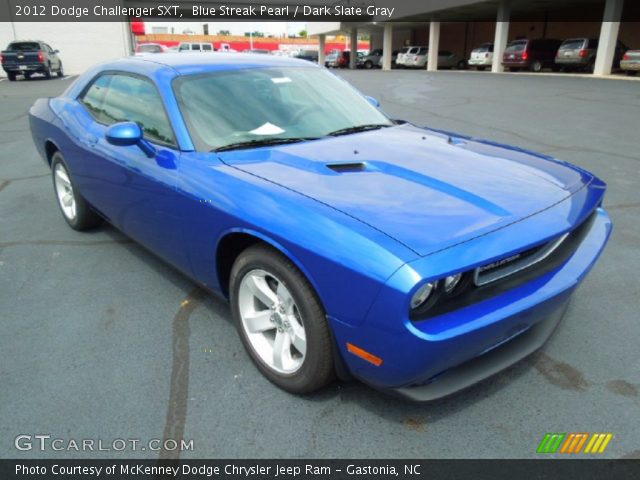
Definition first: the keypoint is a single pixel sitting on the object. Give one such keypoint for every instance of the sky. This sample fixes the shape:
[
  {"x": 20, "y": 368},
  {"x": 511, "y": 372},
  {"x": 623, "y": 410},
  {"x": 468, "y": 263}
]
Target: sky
[{"x": 236, "y": 28}]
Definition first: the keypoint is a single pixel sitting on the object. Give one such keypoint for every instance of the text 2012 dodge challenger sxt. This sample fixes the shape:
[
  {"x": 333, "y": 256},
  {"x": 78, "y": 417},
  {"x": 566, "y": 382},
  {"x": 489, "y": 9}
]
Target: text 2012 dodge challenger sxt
[{"x": 415, "y": 260}]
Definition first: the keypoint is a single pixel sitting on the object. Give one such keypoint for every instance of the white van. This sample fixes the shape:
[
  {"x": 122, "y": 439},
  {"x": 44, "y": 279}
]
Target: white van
[{"x": 196, "y": 47}]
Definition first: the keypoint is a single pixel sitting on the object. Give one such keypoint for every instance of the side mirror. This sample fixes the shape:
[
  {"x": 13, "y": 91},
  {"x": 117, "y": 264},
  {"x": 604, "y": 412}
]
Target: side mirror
[
  {"x": 372, "y": 101},
  {"x": 56, "y": 51},
  {"x": 126, "y": 134}
]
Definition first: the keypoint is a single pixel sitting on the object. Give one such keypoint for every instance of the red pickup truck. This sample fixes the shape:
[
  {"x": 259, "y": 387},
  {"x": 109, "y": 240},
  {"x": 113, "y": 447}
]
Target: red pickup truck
[{"x": 29, "y": 57}]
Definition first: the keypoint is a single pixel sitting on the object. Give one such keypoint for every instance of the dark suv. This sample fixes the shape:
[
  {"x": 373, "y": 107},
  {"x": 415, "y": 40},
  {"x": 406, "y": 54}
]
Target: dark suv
[
  {"x": 531, "y": 54},
  {"x": 580, "y": 54}
]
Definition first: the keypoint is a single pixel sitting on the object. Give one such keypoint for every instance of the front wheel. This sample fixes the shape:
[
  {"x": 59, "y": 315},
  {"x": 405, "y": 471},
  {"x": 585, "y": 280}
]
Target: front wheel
[
  {"x": 11, "y": 76},
  {"x": 462, "y": 65},
  {"x": 75, "y": 209},
  {"x": 280, "y": 321},
  {"x": 60, "y": 71},
  {"x": 368, "y": 64}
]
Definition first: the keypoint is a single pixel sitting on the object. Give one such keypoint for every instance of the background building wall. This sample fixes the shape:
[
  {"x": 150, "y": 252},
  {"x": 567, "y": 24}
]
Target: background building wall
[{"x": 81, "y": 44}]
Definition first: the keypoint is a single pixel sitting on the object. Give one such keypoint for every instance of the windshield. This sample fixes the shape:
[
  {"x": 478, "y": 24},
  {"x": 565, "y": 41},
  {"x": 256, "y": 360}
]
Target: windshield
[
  {"x": 572, "y": 44},
  {"x": 245, "y": 105},
  {"x": 483, "y": 49},
  {"x": 516, "y": 47}
]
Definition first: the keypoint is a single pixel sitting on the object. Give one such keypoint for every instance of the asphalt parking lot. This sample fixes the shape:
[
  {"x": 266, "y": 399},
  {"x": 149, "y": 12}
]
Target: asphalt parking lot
[{"x": 101, "y": 340}]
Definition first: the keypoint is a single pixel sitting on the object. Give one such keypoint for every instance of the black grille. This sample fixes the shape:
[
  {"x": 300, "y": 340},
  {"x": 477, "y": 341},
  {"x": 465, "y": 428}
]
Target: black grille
[{"x": 471, "y": 293}]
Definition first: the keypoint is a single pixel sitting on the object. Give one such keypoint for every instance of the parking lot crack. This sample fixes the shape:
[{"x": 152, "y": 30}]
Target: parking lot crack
[{"x": 179, "y": 385}]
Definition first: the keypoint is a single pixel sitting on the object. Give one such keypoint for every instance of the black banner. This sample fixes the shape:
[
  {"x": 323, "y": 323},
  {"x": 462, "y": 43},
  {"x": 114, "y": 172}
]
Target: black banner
[
  {"x": 319, "y": 469},
  {"x": 415, "y": 11}
]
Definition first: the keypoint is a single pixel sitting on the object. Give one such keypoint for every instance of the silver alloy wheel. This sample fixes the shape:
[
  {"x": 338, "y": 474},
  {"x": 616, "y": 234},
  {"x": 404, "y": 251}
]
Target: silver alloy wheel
[
  {"x": 64, "y": 192},
  {"x": 272, "y": 321}
]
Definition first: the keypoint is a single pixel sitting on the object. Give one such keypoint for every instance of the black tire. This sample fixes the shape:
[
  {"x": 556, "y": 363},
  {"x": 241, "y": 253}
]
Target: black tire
[
  {"x": 513, "y": 69},
  {"x": 631, "y": 73},
  {"x": 27, "y": 76},
  {"x": 536, "y": 66},
  {"x": 368, "y": 64},
  {"x": 462, "y": 65},
  {"x": 85, "y": 218},
  {"x": 11, "y": 76},
  {"x": 480, "y": 69},
  {"x": 317, "y": 369},
  {"x": 60, "y": 72},
  {"x": 48, "y": 73}
]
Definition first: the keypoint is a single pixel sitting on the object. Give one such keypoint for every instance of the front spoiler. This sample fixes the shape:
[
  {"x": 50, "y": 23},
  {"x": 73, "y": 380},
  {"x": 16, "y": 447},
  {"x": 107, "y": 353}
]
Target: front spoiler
[{"x": 486, "y": 365}]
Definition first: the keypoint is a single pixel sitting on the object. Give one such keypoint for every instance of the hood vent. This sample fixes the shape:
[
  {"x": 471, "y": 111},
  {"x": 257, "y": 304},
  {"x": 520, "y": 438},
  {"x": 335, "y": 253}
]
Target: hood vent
[{"x": 347, "y": 167}]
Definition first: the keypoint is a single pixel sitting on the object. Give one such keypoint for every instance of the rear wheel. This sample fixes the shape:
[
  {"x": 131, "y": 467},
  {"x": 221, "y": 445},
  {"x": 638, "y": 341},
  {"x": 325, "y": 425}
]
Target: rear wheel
[
  {"x": 11, "y": 76},
  {"x": 60, "y": 71},
  {"x": 75, "y": 209},
  {"x": 27, "y": 76},
  {"x": 48, "y": 73},
  {"x": 536, "y": 66},
  {"x": 280, "y": 321},
  {"x": 368, "y": 64},
  {"x": 480, "y": 69},
  {"x": 462, "y": 65}
]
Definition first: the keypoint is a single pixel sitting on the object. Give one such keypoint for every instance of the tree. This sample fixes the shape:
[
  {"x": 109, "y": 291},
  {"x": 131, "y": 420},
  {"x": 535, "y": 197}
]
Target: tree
[
  {"x": 303, "y": 33},
  {"x": 224, "y": 32}
]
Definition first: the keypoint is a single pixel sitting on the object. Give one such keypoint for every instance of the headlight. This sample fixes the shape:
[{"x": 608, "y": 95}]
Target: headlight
[
  {"x": 451, "y": 282},
  {"x": 422, "y": 294}
]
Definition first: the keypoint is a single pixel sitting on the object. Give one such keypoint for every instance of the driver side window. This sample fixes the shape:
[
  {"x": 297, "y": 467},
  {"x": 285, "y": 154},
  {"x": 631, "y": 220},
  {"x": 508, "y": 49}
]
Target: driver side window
[{"x": 114, "y": 98}]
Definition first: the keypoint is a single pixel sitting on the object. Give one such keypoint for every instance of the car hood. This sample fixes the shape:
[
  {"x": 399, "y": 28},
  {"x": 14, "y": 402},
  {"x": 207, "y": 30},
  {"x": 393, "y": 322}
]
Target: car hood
[{"x": 428, "y": 190}]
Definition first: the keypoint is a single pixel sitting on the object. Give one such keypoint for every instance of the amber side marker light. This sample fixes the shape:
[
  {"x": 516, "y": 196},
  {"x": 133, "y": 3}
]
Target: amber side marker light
[{"x": 369, "y": 357}]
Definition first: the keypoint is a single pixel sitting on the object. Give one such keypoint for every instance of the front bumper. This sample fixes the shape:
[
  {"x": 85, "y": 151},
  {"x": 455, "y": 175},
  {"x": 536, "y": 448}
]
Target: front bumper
[{"x": 433, "y": 358}]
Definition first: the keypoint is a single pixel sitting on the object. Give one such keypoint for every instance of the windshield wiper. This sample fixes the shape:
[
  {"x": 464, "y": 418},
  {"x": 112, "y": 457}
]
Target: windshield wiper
[
  {"x": 357, "y": 128},
  {"x": 262, "y": 142}
]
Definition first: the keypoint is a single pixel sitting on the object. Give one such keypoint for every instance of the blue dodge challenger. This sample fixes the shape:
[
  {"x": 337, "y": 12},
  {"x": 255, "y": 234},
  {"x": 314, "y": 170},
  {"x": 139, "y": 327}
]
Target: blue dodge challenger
[{"x": 348, "y": 244}]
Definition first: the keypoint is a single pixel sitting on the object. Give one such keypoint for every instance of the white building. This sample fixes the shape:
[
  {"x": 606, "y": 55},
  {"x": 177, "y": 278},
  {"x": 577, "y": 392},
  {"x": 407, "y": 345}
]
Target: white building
[{"x": 81, "y": 44}]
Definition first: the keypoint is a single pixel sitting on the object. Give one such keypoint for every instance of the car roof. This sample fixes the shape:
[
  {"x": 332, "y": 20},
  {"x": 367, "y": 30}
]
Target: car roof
[{"x": 192, "y": 63}]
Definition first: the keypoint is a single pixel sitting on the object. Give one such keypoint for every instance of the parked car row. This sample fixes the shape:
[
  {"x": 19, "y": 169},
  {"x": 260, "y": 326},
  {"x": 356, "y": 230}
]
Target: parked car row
[
  {"x": 536, "y": 54},
  {"x": 575, "y": 54}
]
